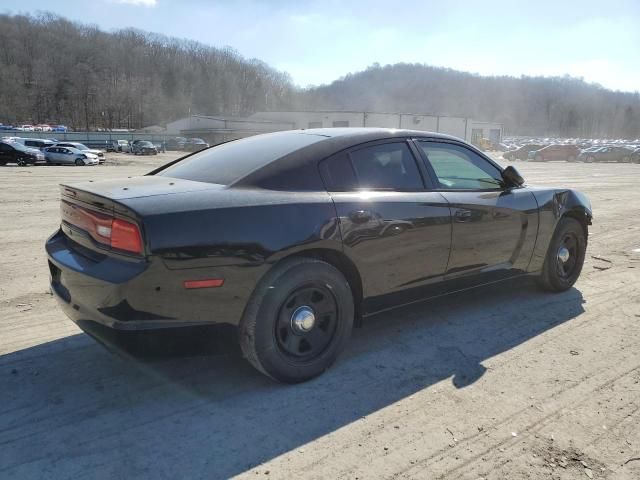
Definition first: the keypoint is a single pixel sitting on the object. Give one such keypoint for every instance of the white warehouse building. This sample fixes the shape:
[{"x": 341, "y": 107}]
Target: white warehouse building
[{"x": 217, "y": 129}]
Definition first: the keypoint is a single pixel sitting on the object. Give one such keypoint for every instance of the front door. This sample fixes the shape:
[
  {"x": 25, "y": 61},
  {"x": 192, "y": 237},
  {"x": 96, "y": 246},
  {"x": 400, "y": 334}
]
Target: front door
[
  {"x": 494, "y": 228},
  {"x": 397, "y": 233}
]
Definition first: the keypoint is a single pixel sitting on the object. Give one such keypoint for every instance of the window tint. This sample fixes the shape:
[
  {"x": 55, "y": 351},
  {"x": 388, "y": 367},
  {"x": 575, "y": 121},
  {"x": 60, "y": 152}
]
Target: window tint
[
  {"x": 389, "y": 166},
  {"x": 315, "y": 125},
  {"x": 340, "y": 123},
  {"x": 458, "y": 168},
  {"x": 337, "y": 174},
  {"x": 231, "y": 161}
]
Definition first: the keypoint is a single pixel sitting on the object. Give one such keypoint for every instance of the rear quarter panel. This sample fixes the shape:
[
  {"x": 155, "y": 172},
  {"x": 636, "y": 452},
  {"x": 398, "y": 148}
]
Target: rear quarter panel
[{"x": 235, "y": 234}]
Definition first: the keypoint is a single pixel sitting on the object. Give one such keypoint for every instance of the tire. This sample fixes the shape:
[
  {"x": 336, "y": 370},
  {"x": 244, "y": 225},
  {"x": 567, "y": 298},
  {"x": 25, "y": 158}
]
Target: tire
[
  {"x": 268, "y": 335},
  {"x": 22, "y": 162},
  {"x": 79, "y": 162},
  {"x": 590, "y": 159},
  {"x": 571, "y": 158},
  {"x": 626, "y": 159},
  {"x": 559, "y": 275},
  {"x": 539, "y": 158}
]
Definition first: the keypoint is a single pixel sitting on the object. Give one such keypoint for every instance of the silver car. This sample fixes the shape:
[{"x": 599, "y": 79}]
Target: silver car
[{"x": 69, "y": 156}]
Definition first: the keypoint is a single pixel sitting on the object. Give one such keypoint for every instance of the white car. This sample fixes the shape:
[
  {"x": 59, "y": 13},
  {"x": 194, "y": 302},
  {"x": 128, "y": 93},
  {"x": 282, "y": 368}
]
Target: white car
[
  {"x": 58, "y": 155},
  {"x": 83, "y": 148}
]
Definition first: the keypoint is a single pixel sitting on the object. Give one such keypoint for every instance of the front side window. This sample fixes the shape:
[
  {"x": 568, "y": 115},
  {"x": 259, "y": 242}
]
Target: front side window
[{"x": 458, "y": 168}]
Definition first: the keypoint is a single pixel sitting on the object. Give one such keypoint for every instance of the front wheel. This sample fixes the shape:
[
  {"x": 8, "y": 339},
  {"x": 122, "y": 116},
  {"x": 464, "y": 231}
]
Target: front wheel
[
  {"x": 565, "y": 256},
  {"x": 298, "y": 320},
  {"x": 79, "y": 162}
]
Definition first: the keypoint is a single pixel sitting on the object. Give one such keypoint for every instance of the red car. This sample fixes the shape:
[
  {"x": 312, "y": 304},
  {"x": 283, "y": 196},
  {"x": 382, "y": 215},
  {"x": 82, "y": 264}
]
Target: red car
[{"x": 555, "y": 152}]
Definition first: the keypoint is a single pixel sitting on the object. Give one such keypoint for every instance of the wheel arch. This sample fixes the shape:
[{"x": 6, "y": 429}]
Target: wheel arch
[{"x": 343, "y": 264}]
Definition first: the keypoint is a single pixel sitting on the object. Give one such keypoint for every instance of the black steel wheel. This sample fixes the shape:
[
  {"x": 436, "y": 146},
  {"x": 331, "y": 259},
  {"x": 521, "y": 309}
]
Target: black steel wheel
[
  {"x": 307, "y": 322},
  {"x": 565, "y": 256},
  {"x": 298, "y": 320}
]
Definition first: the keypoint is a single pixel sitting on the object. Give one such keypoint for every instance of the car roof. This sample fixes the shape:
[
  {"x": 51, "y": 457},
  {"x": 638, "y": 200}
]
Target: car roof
[
  {"x": 371, "y": 133},
  {"x": 334, "y": 141}
]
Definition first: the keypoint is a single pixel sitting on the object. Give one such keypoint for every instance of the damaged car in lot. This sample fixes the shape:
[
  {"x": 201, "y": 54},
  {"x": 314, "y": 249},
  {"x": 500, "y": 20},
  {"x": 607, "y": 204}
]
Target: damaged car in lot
[{"x": 292, "y": 237}]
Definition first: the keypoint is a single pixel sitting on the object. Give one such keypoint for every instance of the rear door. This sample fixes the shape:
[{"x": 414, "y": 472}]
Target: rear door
[
  {"x": 396, "y": 232},
  {"x": 494, "y": 228}
]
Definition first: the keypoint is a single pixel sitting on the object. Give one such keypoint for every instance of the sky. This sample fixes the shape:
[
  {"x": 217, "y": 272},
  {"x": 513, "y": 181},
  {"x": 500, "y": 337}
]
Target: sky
[{"x": 317, "y": 42}]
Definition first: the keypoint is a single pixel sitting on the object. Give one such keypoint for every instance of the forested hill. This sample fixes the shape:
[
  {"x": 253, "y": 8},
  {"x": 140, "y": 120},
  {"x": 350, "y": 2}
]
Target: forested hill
[
  {"x": 562, "y": 106},
  {"x": 56, "y": 71},
  {"x": 53, "y": 70}
]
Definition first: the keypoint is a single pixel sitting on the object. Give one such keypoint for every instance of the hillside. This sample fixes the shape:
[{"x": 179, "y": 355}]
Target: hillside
[
  {"x": 56, "y": 71},
  {"x": 562, "y": 106},
  {"x": 53, "y": 70}
]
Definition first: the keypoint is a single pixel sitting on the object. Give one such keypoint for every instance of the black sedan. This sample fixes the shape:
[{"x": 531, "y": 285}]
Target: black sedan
[
  {"x": 291, "y": 237},
  {"x": 15, "y": 152}
]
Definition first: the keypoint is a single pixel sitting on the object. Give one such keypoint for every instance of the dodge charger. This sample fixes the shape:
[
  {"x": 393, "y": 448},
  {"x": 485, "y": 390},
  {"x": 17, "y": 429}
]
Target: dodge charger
[{"x": 293, "y": 237}]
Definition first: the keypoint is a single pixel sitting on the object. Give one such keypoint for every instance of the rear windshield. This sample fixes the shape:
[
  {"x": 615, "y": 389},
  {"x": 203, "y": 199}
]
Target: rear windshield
[{"x": 232, "y": 161}]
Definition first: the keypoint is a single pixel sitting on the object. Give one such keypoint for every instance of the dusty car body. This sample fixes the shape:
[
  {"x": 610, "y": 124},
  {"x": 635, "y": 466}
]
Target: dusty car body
[{"x": 358, "y": 220}]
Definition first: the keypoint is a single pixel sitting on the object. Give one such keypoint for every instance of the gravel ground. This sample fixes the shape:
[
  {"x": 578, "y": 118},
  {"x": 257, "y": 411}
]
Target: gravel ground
[{"x": 502, "y": 382}]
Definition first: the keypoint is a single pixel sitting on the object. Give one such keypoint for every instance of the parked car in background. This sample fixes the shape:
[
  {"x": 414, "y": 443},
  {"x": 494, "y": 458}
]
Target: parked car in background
[
  {"x": 107, "y": 145},
  {"x": 195, "y": 145},
  {"x": 522, "y": 152},
  {"x": 176, "y": 143},
  {"x": 25, "y": 128},
  {"x": 83, "y": 148},
  {"x": 606, "y": 154},
  {"x": 59, "y": 128},
  {"x": 14, "y": 152},
  {"x": 143, "y": 147},
  {"x": 39, "y": 143},
  {"x": 555, "y": 152},
  {"x": 69, "y": 156},
  {"x": 123, "y": 146},
  {"x": 42, "y": 127}
]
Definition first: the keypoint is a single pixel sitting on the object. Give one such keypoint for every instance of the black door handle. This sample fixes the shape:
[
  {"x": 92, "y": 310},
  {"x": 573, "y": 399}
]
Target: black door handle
[
  {"x": 463, "y": 215},
  {"x": 360, "y": 216}
]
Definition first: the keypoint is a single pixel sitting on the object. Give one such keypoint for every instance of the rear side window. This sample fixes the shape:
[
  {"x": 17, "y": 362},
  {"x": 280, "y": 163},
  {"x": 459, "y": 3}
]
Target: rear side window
[
  {"x": 232, "y": 161},
  {"x": 389, "y": 166}
]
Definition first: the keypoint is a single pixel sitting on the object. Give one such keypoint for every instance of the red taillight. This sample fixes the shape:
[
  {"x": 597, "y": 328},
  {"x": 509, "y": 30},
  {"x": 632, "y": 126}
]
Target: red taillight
[
  {"x": 125, "y": 236},
  {"x": 103, "y": 228}
]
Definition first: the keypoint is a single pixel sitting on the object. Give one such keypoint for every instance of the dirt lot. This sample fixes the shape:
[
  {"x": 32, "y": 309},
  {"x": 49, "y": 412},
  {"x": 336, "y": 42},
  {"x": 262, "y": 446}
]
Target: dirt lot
[{"x": 504, "y": 382}]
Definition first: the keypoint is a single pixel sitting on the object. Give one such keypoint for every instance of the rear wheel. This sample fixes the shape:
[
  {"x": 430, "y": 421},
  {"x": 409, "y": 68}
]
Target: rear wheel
[
  {"x": 565, "y": 256},
  {"x": 79, "y": 162},
  {"x": 298, "y": 320},
  {"x": 539, "y": 158},
  {"x": 626, "y": 159},
  {"x": 22, "y": 162}
]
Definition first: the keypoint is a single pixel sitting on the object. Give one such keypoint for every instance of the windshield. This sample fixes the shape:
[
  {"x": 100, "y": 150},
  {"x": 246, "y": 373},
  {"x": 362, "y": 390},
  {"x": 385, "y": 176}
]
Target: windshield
[{"x": 231, "y": 161}]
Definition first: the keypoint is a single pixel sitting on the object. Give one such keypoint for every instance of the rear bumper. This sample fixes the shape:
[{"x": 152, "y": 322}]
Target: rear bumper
[{"x": 132, "y": 295}]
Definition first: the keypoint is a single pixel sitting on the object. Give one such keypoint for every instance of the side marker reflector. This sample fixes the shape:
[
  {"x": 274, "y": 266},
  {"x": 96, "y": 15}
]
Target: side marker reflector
[{"x": 210, "y": 283}]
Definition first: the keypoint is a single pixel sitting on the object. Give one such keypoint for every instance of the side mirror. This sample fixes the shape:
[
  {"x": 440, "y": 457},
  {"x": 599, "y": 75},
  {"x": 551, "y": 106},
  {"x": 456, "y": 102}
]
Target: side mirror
[{"x": 512, "y": 177}]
